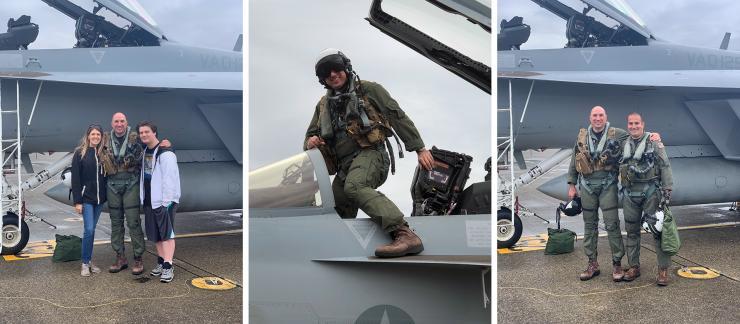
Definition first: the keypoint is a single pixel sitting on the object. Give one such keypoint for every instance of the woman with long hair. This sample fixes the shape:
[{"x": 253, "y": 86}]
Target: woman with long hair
[{"x": 88, "y": 190}]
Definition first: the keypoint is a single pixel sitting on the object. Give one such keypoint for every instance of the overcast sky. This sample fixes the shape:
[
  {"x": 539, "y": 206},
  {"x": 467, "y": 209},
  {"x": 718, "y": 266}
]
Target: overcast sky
[
  {"x": 285, "y": 38},
  {"x": 688, "y": 22},
  {"x": 214, "y": 24}
]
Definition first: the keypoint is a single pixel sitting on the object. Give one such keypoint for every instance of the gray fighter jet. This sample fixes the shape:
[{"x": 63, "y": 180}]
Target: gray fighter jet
[
  {"x": 690, "y": 95},
  {"x": 307, "y": 265},
  {"x": 127, "y": 64}
]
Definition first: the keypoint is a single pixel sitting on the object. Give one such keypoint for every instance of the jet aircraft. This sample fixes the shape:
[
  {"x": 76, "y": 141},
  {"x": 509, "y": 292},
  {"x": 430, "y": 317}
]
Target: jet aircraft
[
  {"x": 690, "y": 95},
  {"x": 193, "y": 94}
]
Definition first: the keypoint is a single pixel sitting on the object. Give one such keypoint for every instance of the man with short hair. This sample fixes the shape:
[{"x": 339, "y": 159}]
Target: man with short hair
[
  {"x": 122, "y": 165},
  {"x": 159, "y": 194},
  {"x": 121, "y": 161},
  {"x": 350, "y": 126},
  {"x": 594, "y": 167},
  {"x": 647, "y": 182}
]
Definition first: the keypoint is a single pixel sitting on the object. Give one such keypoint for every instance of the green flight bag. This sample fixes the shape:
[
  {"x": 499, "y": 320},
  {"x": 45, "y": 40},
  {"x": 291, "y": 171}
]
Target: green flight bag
[
  {"x": 69, "y": 248},
  {"x": 669, "y": 240},
  {"x": 559, "y": 241}
]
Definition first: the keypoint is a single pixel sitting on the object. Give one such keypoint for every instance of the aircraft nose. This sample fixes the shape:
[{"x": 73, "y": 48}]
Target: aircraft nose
[{"x": 556, "y": 188}]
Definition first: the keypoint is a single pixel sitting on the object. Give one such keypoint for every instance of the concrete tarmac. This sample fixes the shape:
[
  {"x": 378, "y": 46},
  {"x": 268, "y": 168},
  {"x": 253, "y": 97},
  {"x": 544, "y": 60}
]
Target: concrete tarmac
[
  {"x": 209, "y": 244},
  {"x": 534, "y": 287}
]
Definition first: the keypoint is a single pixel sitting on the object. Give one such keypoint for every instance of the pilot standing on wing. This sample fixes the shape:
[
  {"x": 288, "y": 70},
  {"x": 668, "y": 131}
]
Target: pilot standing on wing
[
  {"x": 350, "y": 126},
  {"x": 647, "y": 181}
]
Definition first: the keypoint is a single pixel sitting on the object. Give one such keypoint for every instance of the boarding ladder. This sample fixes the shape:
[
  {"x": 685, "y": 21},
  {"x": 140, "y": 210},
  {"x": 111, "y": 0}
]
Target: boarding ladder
[
  {"x": 505, "y": 145},
  {"x": 11, "y": 197}
]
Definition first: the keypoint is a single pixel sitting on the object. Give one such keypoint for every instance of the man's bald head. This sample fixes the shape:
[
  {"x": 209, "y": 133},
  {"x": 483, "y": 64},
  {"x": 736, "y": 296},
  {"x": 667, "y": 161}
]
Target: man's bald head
[
  {"x": 119, "y": 124},
  {"x": 598, "y": 118}
]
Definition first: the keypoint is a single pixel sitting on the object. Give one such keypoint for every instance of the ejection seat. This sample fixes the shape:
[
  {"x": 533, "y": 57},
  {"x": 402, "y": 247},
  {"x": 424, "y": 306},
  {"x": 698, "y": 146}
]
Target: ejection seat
[
  {"x": 513, "y": 34},
  {"x": 21, "y": 33}
]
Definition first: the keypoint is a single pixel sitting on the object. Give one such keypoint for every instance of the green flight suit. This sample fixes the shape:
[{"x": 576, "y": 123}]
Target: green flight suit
[
  {"x": 599, "y": 190},
  {"x": 123, "y": 192},
  {"x": 642, "y": 195},
  {"x": 361, "y": 170}
]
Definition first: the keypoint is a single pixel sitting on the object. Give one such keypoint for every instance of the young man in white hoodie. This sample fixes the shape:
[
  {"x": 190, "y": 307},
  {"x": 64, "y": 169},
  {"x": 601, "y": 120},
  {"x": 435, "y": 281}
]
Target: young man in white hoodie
[{"x": 159, "y": 193}]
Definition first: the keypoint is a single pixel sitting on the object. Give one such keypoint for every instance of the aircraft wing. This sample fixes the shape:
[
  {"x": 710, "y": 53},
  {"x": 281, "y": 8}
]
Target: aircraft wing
[
  {"x": 444, "y": 260},
  {"x": 664, "y": 78},
  {"x": 172, "y": 80}
]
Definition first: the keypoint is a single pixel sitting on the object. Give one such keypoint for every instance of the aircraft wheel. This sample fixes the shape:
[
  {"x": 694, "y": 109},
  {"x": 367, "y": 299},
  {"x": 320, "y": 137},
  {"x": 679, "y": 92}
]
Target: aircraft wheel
[
  {"x": 14, "y": 241},
  {"x": 507, "y": 233}
]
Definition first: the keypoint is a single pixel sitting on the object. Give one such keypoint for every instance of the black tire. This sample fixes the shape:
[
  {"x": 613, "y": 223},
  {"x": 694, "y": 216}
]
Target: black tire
[
  {"x": 507, "y": 234},
  {"x": 10, "y": 237}
]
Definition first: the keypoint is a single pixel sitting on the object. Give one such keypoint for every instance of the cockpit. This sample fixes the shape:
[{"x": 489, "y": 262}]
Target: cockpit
[
  {"x": 600, "y": 23},
  {"x": 109, "y": 23}
]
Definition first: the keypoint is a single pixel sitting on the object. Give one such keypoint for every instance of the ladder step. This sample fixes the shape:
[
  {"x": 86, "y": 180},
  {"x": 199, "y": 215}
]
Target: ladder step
[
  {"x": 9, "y": 140},
  {"x": 503, "y": 138},
  {"x": 9, "y": 111},
  {"x": 503, "y": 109}
]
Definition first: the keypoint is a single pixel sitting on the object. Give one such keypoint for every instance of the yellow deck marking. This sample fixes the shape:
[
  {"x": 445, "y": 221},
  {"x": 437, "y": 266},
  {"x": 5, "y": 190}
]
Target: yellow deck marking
[
  {"x": 212, "y": 283},
  {"x": 34, "y": 250},
  {"x": 537, "y": 242},
  {"x": 42, "y": 249},
  {"x": 698, "y": 273},
  {"x": 526, "y": 244}
]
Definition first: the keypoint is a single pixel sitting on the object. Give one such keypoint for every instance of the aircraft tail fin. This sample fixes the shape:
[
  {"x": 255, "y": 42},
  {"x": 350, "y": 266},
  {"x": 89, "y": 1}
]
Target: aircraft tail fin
[
  {"x": 238, "y": 45},
  {"x": 725, "y": 41}
]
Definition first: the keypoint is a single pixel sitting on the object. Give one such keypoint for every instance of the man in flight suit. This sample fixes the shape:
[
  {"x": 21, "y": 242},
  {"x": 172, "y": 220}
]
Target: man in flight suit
[
  {"x": 647, "y": 182},
  {"x": 350, "y": 126}
]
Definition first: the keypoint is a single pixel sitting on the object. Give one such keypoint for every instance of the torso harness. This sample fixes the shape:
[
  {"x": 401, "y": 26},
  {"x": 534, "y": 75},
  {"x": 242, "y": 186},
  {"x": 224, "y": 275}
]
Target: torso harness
[
  {"x": 637, "y": 169},
  {"x": 592, "y": 157},
  {"x": 360, "y": 120}
]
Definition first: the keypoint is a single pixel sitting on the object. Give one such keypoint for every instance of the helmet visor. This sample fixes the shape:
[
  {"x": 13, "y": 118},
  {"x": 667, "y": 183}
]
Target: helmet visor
[{"x": 328, "y": 64}]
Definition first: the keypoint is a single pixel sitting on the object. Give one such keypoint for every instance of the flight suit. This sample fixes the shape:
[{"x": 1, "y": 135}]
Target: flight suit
[
  {"x": 598, "y": 189},
  {"x": 360, "y": 170},
  {"x": 123, "y": 172},
  {"x": 642, "y": 193}
]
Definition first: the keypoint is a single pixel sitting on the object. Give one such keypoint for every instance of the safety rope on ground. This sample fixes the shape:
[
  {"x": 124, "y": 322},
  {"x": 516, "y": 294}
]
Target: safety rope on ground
[
  {"x": 578, "y": 295},
  {"x": 121, "y": 301}
]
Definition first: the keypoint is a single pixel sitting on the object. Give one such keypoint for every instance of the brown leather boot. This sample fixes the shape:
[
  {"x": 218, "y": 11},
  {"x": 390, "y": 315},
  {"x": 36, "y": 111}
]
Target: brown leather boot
[
  {"x": 138, "y": 267},
  {"x": 617, "y": 273},
  {"x": 404, "y": 242},
  {"x": 120, "y": 264},
  {"x": 662, "y": 277},
  {"x": 591, "y": 271},
  {"x": 632, "y": 273}
]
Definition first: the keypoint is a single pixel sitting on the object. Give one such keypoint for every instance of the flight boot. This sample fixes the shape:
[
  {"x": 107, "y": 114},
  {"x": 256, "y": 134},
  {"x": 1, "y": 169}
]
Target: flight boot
[
  {"x": 138, "y": 266},
  {"x": 405, "y": 242},
  {"x": 591, "y": 271},
  {"x": 632, "y": 273},
  {"x": 662, "y": 279},
  {"x": 618, "y": 273},
  {"x": 120, "y": 264}
]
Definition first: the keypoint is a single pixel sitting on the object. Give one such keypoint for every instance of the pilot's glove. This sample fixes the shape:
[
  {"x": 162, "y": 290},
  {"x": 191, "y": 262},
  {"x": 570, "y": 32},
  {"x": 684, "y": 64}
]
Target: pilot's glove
[{"x": 666, "y": 197}]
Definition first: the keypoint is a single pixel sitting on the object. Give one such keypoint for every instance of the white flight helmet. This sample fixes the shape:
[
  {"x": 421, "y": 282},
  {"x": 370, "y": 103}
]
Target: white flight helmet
[
  {"x": 653, "y": 223},
  {"x": 331, "y": 59}
]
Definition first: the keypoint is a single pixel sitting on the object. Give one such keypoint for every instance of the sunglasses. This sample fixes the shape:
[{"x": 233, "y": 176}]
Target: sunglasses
[{"x": 329, "y": 64}]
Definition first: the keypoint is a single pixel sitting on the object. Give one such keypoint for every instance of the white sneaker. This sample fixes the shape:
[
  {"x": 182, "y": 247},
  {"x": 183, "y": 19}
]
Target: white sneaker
[
  {"x": 85, "y": 270},
  {"x": 167, "y": 274},
  {"x": 94, "y": 268},
  {"x": 156, "y": 271}
]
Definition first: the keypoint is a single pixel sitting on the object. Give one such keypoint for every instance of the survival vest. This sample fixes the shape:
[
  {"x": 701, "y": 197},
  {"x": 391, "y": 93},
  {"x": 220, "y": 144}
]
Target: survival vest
[
  {"x": 638, "y": 166},
  {"x": 606, "y": 160},
  {"x": 126, "y": 158},
  {"x": 361, "y": 120}
]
